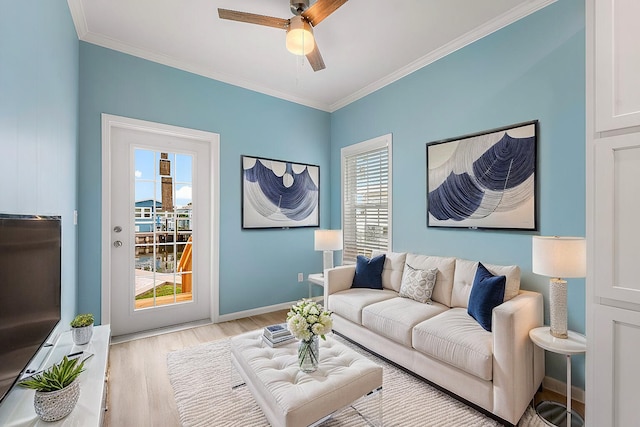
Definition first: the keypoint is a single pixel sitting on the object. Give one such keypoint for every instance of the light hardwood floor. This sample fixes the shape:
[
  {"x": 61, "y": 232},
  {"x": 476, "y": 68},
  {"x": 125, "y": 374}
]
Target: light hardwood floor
[{"x": 139, "y": 393}]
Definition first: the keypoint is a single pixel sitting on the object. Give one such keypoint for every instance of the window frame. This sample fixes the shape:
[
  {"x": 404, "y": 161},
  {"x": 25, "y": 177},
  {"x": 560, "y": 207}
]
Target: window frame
[{"x": 361, "y": 148}]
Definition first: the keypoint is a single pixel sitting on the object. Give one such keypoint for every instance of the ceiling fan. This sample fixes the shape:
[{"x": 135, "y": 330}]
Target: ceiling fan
[{"x": 300, "y": 40}]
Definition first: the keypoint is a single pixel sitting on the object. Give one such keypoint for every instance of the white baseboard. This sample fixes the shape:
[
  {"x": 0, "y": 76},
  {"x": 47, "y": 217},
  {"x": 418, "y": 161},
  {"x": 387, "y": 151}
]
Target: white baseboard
[
  {"x": 160, "y": 331},
  {"x": 261, "y": 310},
  {"x": 561, "y": 388},
  {"x": 223, "y": 318}
]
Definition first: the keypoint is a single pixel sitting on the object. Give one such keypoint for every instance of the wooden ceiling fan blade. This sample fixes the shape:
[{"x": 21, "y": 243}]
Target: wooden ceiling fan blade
[
  {"x": 315, "y": 59},
  {"x": 253, "y": 18},
  {"x": 321, "y": 9}
]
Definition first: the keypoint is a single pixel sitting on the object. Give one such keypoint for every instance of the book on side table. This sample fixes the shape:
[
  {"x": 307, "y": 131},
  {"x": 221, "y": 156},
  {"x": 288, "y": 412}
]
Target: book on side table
[{"x": 277, "y": 335}]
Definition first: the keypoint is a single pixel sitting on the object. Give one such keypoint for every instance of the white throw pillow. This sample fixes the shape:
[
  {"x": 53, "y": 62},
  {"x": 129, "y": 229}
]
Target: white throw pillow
[
  {"x": 418, "y": 284},
  {"x": 393, "y": 267},
  {"x": 465, "y": 273}
]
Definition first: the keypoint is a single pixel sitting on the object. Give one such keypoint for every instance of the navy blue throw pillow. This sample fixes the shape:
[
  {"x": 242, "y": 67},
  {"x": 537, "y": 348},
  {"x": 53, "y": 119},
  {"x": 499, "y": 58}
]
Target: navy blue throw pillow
[
  {"x": 487, "y": 293},
  {"x": 368, "y": 272}
]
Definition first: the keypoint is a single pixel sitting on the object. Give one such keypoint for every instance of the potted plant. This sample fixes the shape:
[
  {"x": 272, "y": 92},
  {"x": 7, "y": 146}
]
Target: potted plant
[
  {"x": 57, "y": 390},
  {"x": 82, "y": 328}
]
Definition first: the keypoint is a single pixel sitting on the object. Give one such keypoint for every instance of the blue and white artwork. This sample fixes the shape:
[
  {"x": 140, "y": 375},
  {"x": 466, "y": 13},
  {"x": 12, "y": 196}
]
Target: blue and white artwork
[
  {"x": 279, "y": 194},
  {"x": 485, "y": 180}
]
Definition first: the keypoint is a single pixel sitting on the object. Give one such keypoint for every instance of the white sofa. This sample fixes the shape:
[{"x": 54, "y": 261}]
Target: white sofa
[{"x": 498, "y": 371}]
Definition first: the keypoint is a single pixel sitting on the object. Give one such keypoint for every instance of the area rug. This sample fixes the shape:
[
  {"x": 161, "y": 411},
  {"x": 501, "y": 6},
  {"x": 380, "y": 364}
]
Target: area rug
[{"x": 201, "y": 380}]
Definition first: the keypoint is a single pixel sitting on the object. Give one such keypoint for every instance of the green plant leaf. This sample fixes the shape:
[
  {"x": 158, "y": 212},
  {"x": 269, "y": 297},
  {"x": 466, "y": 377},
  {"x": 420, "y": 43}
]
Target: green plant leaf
[
  {"x": 82, "y": 320},
  {"x": 56, "y": 377}
]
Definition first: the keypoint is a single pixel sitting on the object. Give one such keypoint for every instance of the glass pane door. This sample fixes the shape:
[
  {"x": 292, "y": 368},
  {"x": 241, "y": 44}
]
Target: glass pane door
[{"x": 163, "y": 229}]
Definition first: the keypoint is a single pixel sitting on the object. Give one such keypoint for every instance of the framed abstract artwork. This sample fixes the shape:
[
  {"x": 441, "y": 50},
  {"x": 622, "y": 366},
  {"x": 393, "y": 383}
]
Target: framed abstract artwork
[
  {"x": 484, "y": 180},
  {"x": 279, "y": 194}
]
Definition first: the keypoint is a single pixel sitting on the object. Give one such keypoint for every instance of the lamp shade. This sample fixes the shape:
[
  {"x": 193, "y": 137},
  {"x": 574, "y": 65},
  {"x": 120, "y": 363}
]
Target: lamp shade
[
  {"x": 328, "y": 240},
  {"x": 300, "y": 39},
  {"x": 554, "y": 256}
]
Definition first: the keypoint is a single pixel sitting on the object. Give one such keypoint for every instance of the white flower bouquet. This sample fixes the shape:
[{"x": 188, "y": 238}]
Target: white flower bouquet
[
  {"x": 308, "y": 318},
  {"x": 306, "y": 321}
]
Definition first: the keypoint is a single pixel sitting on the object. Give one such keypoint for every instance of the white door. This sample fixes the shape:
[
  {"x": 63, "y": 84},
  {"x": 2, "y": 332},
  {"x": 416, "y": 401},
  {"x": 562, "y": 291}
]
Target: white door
[
  {"x": 613, "y": 209},
  {"x": 158, "y": 225}
]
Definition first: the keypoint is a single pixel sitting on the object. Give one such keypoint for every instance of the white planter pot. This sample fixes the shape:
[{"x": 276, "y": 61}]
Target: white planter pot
[
  {"x": 82, "y": 335},
  {"x": 55, "y": 405}
]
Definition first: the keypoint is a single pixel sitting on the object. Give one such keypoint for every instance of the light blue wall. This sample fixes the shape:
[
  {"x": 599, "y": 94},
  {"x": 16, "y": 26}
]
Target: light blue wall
[
  {"x": 38, "y": 121},
  {"x": 533, "y": 69},
  {"x": 258, "y": 267}
]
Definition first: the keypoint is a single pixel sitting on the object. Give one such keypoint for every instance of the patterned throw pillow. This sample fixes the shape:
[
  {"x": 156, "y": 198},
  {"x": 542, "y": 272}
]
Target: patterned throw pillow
[{"x": 418, "y": 284}]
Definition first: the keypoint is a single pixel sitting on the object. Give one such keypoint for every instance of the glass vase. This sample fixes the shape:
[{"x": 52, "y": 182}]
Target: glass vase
[{"x": 308, "y": 354}]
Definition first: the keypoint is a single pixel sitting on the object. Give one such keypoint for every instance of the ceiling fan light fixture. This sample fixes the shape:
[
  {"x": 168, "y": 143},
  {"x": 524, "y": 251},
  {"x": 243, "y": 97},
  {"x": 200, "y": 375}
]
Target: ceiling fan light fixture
[{"x": 300, "y": 39}]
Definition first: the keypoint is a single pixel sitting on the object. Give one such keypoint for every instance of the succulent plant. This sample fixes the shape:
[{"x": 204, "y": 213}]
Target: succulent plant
[
  {"x": 56, "y": 377},
  {"x": 82, "y": 320}
]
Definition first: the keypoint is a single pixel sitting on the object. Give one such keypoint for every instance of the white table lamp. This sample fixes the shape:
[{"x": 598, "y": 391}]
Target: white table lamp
[
  {"x": 327, "y": 241},
  {"x": 559, "y": 257}
]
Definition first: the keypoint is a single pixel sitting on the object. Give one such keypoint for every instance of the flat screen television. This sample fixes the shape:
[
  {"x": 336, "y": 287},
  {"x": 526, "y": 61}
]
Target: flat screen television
[{"x": 30, "y": 286}]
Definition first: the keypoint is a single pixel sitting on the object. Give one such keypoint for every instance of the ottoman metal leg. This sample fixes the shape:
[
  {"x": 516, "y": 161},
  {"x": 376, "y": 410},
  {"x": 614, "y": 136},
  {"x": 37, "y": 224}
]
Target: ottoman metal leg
[
  {"x": 369, "y": 407},
  {"x": 236, "y": 379}
]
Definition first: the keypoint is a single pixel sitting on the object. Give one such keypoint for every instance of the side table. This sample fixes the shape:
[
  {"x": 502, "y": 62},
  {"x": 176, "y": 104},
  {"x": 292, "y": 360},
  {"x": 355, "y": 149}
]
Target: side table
[
  {"x": 315, "y": 279},
  {"x": 553, "y": 412}
]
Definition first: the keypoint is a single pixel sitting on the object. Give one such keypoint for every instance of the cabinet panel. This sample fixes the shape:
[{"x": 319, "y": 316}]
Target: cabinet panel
[
  {"x": 617, "y": 64},
  {"x": 17, "y": 410},
  {"x": 617, "y": 215},
  {"x": 618, "y": 373}
]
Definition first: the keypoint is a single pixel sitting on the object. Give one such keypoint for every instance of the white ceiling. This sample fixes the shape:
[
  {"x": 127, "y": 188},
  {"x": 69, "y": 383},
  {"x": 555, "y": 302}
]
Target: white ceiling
[{"x": 365, "y": 44}]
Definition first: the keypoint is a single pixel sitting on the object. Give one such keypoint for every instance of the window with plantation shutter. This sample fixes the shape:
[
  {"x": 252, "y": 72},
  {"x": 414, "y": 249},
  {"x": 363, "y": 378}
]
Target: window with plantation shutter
[{"x": 366, "y": 198}]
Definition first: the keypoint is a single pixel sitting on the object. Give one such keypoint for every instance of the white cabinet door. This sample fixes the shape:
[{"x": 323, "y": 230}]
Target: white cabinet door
[
  {"x": 613, "y": 211},
  {"x": 617, "y": 372},
  {"x": 617, "y": 216},
  {"x": 617, "y": 64}
]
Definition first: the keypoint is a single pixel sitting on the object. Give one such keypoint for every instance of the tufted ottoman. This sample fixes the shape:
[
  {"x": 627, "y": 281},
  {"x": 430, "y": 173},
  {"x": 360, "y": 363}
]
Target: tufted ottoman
[{"x": 289, "y": 397}]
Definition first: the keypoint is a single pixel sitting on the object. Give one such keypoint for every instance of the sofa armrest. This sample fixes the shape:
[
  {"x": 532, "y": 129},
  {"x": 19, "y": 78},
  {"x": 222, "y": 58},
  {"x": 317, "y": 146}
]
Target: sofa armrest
[
  {"x": 337, "y": 279},
  {"x": 518, "y": 364}
]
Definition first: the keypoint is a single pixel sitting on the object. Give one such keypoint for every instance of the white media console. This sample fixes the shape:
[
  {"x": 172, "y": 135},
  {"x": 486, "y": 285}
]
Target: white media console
[{"x": 17, "y": 407}]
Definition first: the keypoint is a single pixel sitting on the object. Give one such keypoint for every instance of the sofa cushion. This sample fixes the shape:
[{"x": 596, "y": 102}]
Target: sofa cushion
[
  {"x": 393, "y": 268},
  {"x": 456, "y": 338},
  {"x": 349, "y": 303},
  {"x": 368, "y": 272},
  {"x": 444, "y": 280},
  {"x": 418, "y": 284},
  {"x": 395, "y": 318},
  {"x": 487, "y": 293},
  {"x": 465, "y": 272}
]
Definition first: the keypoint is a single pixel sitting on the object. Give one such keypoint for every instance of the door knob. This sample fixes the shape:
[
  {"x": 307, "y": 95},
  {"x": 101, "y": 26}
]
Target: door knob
[
  {"x": 117, "y": 243},
  {"x": 117, "y": 229}
]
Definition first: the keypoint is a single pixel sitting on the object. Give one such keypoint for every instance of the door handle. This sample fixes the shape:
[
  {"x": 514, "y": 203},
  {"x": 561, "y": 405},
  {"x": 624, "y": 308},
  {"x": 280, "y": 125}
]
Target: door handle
[{"x": 117, "y": 243}]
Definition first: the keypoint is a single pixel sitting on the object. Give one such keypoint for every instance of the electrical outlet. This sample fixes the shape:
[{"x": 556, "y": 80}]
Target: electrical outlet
[{"x": 300, "y": 277}]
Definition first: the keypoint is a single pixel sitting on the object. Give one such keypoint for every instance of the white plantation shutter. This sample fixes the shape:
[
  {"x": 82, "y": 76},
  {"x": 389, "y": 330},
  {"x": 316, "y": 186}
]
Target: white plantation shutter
[{"x": 366, "y": 198}]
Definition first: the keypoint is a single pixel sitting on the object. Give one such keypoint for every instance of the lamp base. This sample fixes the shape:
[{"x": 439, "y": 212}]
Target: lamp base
[
  {"x": 327, "y": 260},
  {"x": 558, "y": 308}
]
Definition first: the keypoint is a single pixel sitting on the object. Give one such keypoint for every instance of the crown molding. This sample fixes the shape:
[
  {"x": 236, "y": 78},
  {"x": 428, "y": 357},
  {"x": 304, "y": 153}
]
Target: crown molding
[
  {"x": 515, "y": 14},
  {"x": 128, "y": 49},
  {"x": 78, "y": 16},
  {"x": 490, "y": 27}
]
